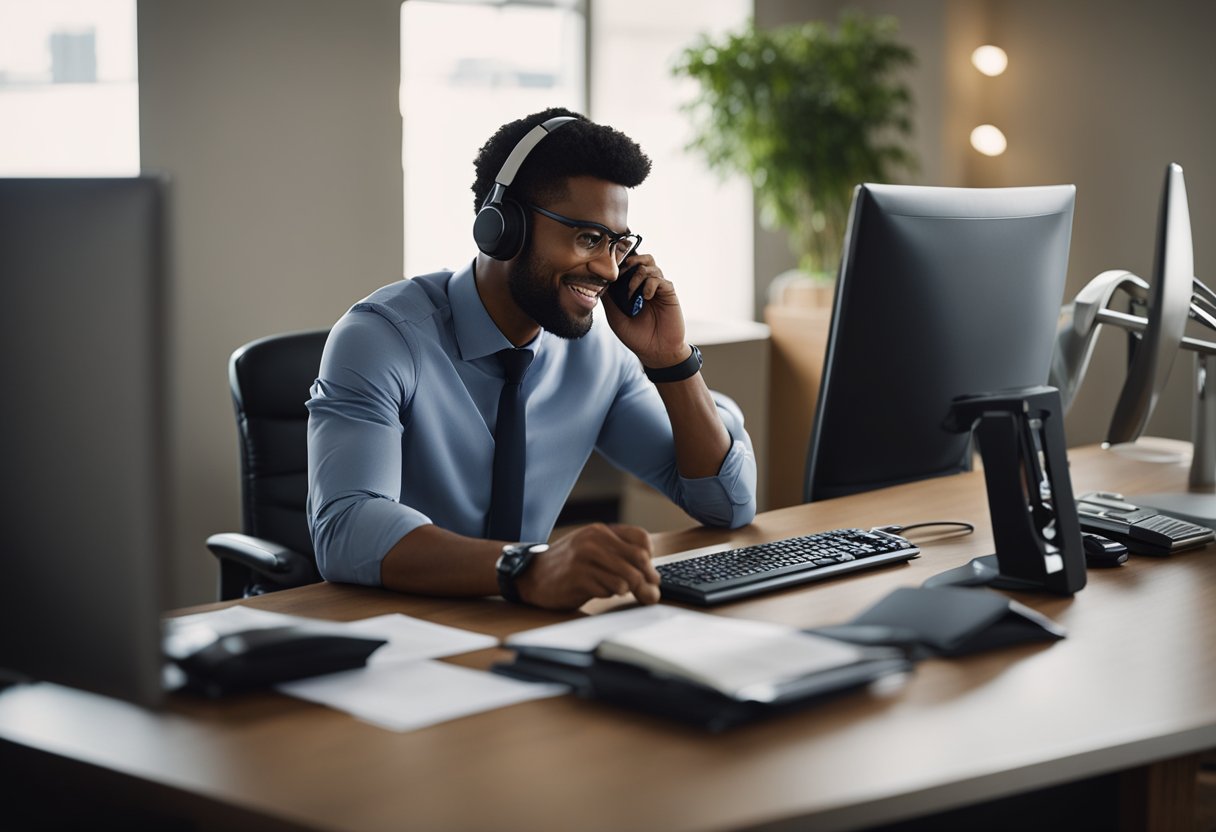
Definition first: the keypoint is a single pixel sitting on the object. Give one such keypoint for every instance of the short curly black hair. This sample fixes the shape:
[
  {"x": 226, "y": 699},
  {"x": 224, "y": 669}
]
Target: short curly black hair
[{"x": 579, "y": 148}]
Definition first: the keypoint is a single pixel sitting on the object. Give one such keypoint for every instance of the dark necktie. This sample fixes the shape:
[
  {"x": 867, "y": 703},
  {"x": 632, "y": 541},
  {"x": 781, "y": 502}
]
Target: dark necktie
[{"x": 510, "y": 454}]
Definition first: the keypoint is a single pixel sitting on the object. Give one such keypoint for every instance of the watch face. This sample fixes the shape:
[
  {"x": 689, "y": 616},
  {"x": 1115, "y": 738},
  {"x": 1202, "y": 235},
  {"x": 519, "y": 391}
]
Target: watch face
[{"x": 516, "y": 557}]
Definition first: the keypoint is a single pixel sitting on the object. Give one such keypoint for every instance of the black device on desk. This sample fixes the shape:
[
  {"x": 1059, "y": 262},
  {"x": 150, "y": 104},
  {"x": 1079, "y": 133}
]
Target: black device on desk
[
  {"x": 1143, "y": 530},
  {"x": 731, "y": 574},
  {"x": 1102, "y": 552},
  {"x": 258, "y": 658}
]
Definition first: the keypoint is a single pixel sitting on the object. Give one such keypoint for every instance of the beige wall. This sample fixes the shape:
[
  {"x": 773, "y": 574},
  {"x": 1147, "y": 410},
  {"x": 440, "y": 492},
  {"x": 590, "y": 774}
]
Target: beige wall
[
  {"x": 277, "y": 122},
  {"x": 1104, "y": 93},
  {"x": 1100, "y": 93}
]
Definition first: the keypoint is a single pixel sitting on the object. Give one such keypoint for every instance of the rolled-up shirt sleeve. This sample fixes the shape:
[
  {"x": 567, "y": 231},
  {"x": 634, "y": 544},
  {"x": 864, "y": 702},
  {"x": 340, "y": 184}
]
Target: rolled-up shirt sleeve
[
  {"x": 367, "y": 376},
  {"x": 637, "y": 437}
]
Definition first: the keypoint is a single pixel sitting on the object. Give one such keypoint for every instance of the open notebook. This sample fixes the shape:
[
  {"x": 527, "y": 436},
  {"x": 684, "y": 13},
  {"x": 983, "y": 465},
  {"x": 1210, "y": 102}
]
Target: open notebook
[
  {"x": 710, "y": 670},
  {"x": 745, "y": 660}
]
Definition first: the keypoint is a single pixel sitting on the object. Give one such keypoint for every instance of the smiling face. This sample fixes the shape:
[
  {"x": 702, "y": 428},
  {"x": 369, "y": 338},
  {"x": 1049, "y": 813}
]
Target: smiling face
[{"x": 555, "y": 285}]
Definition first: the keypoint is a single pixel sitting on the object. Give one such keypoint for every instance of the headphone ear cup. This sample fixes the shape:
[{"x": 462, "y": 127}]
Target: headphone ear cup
[
  {"x": 488, "y": 228},
  {"x": 501, "y": 229}
]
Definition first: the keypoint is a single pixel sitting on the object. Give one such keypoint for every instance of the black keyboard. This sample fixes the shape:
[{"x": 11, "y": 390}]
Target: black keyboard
[{"x": 732, "y": 574}]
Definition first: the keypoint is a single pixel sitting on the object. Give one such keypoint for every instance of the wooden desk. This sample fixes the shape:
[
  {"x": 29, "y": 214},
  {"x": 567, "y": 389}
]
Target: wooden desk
[{"x": 1134, "y": 684}]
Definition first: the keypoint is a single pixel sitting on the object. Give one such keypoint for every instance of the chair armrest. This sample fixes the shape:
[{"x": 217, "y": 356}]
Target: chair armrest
[{"x": 284, "y": 567}]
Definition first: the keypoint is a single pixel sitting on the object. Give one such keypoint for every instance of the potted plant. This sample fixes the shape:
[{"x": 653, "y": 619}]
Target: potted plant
[{"x": 806, "y": 111}]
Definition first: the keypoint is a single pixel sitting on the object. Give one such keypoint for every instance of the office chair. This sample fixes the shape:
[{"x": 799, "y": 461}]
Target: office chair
[{"x": 270, "y": 379}]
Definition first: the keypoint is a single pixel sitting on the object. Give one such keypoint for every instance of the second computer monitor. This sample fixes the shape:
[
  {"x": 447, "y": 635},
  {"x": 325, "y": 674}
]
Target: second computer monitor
[
  {"x": 83, "y": 437},
  {"x": 1169, "y": 306},
  {"x": 942, "y": 293}
]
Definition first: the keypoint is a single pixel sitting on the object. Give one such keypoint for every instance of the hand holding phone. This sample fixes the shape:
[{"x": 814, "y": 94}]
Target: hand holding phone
[{"x": 630, "y": 304}]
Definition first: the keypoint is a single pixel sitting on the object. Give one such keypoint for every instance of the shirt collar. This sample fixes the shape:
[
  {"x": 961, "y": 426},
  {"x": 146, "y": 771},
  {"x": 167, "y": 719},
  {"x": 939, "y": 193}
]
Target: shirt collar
[{"x": 476, "y": 333}]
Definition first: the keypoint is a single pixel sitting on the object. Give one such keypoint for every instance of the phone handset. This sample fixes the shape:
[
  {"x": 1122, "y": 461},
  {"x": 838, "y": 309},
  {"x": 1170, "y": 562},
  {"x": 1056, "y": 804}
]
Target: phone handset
[{"x": 630, "y": 304}]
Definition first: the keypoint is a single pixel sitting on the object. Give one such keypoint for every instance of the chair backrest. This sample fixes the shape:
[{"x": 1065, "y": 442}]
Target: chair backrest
[{"x": 270, "y": 380}]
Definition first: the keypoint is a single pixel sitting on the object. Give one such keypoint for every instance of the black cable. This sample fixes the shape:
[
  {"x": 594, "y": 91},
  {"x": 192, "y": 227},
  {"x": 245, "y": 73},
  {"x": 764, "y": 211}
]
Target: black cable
[{"x": 897, "y": 529}]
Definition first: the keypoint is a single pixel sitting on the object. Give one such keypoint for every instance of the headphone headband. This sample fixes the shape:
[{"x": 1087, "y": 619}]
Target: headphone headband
[{"x": 506, "y": 174}]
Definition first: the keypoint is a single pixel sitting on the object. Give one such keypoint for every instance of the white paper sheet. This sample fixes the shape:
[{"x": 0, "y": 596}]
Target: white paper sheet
[
  {"x": 586, "y": 633},
  {"x": 403, "y": 696},
  {"x": 410, "y": 639}
]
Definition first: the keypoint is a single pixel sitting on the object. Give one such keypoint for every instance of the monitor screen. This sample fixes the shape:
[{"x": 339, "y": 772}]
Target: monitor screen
[
  {"x": 1169, "y": 306},
  {"x": 942, "y": 293},
  {"x": 82, "y": 434}
]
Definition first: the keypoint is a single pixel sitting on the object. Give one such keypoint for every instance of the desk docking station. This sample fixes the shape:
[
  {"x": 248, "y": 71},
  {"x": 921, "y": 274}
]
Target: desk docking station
[{"x": 1020, "y": 434}]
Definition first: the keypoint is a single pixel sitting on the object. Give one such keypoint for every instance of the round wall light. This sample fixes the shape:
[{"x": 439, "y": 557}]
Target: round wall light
[
  {"x": 989, "y": 140},
  {"x": 990, "y": 60}
]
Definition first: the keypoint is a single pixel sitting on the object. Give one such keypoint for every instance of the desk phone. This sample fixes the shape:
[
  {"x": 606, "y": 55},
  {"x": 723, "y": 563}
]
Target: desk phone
[{"x": 1144, "y": 531}]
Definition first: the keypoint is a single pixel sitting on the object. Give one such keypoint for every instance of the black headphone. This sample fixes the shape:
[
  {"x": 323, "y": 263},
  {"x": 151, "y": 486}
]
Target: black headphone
[{"x": 501, "y": 225}]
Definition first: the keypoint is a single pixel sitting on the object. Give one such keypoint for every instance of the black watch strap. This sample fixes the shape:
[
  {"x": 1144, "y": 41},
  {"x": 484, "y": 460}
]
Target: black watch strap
[
  {"x": 506, "y": 588},
  {"x": 687, "y": 368}
]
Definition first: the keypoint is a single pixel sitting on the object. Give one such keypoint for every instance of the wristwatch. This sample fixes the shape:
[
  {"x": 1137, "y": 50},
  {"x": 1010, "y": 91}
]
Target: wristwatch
[
  {"x": 687, "y": 368},
  {"x": 513, "y": 562}
]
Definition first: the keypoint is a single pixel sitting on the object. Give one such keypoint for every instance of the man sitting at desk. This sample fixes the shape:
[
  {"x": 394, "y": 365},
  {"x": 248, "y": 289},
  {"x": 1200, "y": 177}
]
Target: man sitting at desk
[{"x": 454, "y": 412}]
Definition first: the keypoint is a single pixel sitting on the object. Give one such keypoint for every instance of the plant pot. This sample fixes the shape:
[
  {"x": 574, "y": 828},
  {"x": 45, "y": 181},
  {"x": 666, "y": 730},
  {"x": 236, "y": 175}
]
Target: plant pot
[{"x": 799, "y": 289}]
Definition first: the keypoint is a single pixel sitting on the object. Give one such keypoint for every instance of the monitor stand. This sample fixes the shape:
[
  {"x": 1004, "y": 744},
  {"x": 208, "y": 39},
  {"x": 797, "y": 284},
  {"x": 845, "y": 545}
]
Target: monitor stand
[
  {"x": 981, "y": 571},
  {"x": 1199, "y": 505},
  {"x": 1020, "y": 434}
]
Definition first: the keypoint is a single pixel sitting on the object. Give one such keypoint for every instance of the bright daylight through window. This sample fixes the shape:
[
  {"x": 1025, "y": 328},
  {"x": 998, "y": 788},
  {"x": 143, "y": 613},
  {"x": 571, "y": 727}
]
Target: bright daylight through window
[
  {"x": 467, "y": 68},
  {"x": 69, "y": 95}
]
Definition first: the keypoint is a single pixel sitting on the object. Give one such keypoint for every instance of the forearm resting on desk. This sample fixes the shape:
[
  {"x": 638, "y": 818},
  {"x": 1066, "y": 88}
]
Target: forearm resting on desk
[
  {"x": 596, "y": 561},
  {"x": 433, "y": 561}
]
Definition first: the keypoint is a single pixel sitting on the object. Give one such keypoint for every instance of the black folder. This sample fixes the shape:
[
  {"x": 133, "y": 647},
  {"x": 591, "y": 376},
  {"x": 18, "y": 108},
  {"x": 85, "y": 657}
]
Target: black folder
[
  {"x": 639, "y": 689},
  {"x": 946, "y": 621}
]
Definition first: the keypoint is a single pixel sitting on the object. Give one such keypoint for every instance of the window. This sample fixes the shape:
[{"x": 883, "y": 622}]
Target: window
[
  {"x": 466, "y": 69},
  {"x": 69, "y": 95},
  {"x": 682, "y": 206}
]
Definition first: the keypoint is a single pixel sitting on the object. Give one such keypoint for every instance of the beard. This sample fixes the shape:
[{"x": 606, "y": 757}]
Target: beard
[{"x": 540, "y": 299}]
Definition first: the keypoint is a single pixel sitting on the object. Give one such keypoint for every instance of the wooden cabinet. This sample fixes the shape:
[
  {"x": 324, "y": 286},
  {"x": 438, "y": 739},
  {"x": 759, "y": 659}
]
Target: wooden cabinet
[{"x": 799, "y": 337}]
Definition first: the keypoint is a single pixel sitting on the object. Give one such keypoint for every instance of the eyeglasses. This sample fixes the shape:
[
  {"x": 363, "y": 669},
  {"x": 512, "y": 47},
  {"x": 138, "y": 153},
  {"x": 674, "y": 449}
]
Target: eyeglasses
[{"x": 591, "y": 239}]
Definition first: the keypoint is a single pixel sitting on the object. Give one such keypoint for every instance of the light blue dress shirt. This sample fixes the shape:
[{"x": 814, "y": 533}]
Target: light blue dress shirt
[{"x": 401, "y": 426}]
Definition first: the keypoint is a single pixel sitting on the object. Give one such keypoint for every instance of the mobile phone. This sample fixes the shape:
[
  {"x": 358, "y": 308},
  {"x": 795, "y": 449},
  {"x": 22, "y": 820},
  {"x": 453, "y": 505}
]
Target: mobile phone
[{"x": 630, "y": 304}]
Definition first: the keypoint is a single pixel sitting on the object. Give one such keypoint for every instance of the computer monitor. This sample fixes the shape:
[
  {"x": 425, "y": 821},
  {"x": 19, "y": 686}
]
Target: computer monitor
[
  {"x": 83, "y": 433},
  {"x": 1171, "y": 291},
  {"x": 1169, "y": 306},
  {"x": 942, "y": 293}
]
